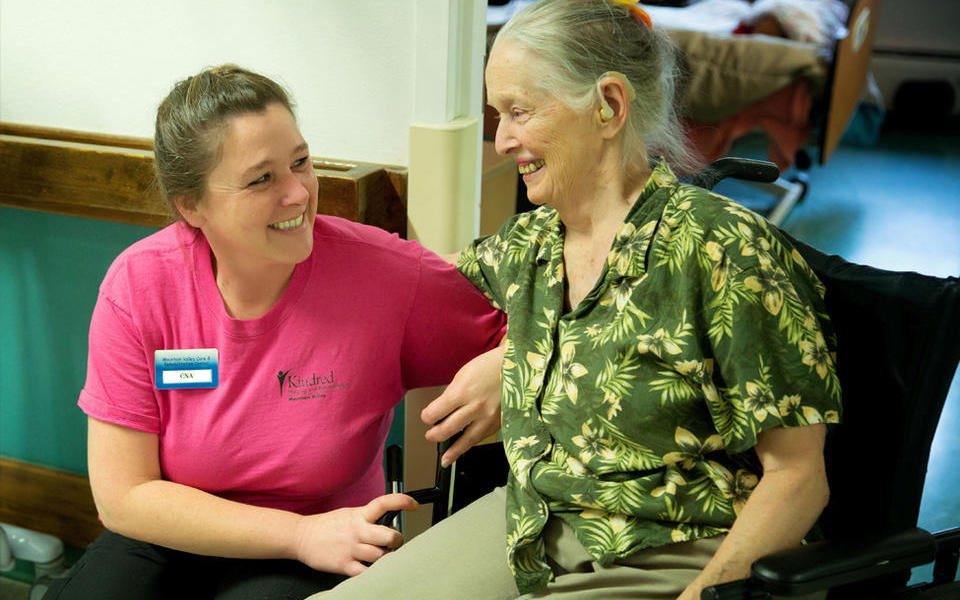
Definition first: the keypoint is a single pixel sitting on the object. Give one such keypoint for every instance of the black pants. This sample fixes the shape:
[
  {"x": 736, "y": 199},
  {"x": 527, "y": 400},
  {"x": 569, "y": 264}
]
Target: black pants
[{"x": 115, "y": 567}]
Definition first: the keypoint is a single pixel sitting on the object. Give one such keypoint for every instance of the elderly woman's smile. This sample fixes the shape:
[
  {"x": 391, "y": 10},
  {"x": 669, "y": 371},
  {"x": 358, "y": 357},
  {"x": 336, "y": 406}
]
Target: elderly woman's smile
[{"x": 526, "y": 168}]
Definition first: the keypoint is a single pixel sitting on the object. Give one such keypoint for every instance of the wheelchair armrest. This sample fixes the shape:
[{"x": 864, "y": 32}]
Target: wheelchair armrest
[
  {"x": 830, "y": 563},
  {"x": 747, "y": 169}
]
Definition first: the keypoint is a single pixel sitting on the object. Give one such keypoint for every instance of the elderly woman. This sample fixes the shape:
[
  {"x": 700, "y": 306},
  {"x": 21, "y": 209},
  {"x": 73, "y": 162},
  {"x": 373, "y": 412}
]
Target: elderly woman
[
  {"x": 245, "y": 362},
  {"x": 668, "y": 373}
]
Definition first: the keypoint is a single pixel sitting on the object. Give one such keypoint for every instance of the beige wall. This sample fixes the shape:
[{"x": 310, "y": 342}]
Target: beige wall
[{"x": 361, "y": 71}]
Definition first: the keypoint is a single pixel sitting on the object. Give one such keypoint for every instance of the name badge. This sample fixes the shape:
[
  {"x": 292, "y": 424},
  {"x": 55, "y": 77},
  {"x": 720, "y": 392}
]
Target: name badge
[{"x": 186, "y": 369}]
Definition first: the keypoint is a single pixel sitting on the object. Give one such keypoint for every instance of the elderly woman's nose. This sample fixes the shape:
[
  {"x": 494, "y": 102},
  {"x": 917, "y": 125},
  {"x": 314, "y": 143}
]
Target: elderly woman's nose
[{"x": 504, "y": 140}]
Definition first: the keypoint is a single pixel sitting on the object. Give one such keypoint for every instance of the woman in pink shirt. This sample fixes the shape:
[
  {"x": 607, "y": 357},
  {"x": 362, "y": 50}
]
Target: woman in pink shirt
[{"x": 244, "y": 364}]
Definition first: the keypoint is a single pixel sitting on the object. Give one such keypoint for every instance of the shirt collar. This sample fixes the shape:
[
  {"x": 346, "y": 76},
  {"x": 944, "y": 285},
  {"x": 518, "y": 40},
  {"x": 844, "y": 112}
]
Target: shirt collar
[
  {"x": 628, "y": 253},
  {"x": 627, "y": 257},
  {"x": 552, "y": 235}
]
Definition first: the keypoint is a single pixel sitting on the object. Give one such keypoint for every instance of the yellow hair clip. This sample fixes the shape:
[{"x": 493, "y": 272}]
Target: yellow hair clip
[{"x": 636, "y": 12}]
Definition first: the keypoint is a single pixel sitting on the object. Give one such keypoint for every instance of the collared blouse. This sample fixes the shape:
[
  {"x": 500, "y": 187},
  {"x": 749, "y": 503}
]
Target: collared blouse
[{"x": 633, "y": 416}]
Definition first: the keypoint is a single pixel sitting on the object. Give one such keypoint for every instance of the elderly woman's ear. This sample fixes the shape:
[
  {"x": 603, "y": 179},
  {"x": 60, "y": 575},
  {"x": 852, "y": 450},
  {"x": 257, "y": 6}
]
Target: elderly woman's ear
[{"x": 614, "y": 103}]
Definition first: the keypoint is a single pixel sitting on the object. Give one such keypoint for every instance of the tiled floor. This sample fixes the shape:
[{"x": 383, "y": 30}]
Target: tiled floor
[{"x": 894, "y": 205}]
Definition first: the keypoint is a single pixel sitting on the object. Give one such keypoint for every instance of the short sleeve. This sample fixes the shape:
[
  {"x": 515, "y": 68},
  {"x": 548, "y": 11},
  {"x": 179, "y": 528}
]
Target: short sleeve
[
  {"x": 119, "y": 384},
  {"x": 491, "y": 261},
  {"x": 773, "y": 346},
  {"x": 482, "y": 274},
  {"x": 450, "y": 322}
]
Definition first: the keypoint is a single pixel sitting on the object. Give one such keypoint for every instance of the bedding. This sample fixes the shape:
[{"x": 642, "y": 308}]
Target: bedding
[
  {"x": 817, "y": 21},
  {"x": 726, "y": 73},
  {"x": 749, "y": 65}
]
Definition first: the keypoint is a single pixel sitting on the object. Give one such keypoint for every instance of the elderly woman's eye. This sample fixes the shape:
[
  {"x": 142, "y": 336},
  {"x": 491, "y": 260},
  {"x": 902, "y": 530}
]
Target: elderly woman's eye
[{"x": 262, "y": 179}]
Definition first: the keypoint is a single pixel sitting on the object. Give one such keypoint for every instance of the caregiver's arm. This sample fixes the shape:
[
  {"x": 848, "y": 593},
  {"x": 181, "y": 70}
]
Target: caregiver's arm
[
  {"x": 134, "y": 501},
  {"x": 781, "y": 510},
  {"x": 471, "y": 401}
]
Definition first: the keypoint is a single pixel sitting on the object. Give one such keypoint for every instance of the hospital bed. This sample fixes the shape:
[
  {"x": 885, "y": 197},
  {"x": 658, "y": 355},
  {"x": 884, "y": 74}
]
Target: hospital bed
[{"x": 802, "y": 83}]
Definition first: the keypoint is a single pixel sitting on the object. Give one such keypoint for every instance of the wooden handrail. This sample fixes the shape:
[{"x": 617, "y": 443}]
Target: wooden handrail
[
  {"x": 48, "y": 500},
  {"x": 110, "y": 177}
]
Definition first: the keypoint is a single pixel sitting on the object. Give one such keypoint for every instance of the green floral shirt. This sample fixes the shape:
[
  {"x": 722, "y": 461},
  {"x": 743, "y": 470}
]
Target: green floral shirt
[{"x": 629, "y": 417}]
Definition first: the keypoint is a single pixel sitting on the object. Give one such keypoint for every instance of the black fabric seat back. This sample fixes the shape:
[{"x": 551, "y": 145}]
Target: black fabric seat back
[{"x": 898, "y": 344}]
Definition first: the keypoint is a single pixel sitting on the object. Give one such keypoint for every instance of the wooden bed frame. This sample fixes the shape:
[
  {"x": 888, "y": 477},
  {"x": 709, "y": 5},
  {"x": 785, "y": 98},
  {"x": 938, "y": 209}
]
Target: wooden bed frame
[
  {"x": 845, "y": 82},
  {"x": 848, "y": 74}
]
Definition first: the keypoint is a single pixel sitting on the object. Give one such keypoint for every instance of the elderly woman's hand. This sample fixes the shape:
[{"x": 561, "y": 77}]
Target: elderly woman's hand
[{"x": 471, "y": 403}]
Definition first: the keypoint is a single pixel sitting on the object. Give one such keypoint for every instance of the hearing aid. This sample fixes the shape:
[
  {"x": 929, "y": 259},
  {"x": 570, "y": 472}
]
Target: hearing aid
[{"x": 606, "y": 112}]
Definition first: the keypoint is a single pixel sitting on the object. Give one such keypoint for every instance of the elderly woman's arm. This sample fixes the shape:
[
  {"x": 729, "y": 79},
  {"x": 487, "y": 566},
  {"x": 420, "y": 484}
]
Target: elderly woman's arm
[
  {"x": 133, "y": 500},
  {"x": 471, "y": 403},
  {"x": 781, "y": 510}
]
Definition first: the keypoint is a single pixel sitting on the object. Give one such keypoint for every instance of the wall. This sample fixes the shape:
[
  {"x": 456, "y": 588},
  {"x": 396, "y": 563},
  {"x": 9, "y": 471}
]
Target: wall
[
  {"x": 50, "y": 269},
  {"x": 104, "y": 65},
  {"x": 916, "y": 40}
]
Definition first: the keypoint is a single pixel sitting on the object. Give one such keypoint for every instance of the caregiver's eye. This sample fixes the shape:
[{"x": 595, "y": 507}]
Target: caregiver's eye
[{"x": 259, "y": 180}]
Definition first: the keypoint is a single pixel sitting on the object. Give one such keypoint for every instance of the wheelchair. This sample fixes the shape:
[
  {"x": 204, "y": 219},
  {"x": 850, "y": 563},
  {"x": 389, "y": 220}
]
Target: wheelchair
[{"x": 898, "y": 349}]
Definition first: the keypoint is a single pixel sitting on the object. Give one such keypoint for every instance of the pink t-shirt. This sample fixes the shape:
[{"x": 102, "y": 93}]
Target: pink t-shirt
[{"x": 306, "y": 392}]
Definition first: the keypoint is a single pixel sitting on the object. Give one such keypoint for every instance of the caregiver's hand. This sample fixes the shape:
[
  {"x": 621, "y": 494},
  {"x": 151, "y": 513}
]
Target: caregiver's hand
[
  {"x": 471, "y": 403},
  {"x": 340, "y": 541}
]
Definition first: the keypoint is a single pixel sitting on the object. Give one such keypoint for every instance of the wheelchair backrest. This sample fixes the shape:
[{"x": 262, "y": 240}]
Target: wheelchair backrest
[{"x": 898, "y": 345}]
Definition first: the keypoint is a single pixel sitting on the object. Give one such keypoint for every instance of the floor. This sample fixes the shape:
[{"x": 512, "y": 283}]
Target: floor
[
  {"x": 12, "y": 589},
  {"x": 18, "y": 583},
  {"x": 892, "y": 205}
]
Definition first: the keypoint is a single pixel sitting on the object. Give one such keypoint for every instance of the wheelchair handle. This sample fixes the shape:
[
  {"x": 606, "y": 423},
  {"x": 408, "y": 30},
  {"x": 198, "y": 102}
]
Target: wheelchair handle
[
  {"x": 422, "y": 496},
  {"x": 746, "y": 169}
]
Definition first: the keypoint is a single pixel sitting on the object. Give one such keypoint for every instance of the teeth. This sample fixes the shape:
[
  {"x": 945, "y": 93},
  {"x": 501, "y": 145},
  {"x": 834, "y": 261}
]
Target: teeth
[
  {"x": 530, "y": 167},
  {"x": 292, "y": 223}
]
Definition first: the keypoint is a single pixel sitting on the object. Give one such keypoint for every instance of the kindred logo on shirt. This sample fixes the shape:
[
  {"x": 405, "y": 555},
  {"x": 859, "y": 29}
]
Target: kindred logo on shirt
[
  {"x": 306, "y": 387},
  {"x": 281, "y": 375}
]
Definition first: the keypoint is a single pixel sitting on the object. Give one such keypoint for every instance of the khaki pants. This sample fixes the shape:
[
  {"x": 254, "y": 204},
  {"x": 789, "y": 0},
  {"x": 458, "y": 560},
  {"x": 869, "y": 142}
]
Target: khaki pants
[{"x": 464, "y": 558}]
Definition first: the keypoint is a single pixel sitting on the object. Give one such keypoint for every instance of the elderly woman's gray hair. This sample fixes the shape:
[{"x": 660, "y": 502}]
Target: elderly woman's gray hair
[{"x": 577, "y": 41}]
